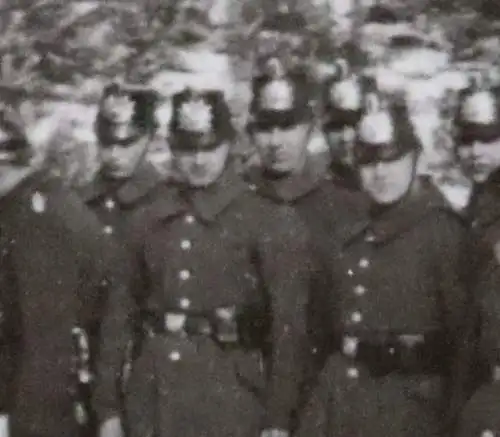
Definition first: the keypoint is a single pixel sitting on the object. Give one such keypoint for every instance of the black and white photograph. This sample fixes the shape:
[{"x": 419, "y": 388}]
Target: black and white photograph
[{"x": 249, "y": 218}]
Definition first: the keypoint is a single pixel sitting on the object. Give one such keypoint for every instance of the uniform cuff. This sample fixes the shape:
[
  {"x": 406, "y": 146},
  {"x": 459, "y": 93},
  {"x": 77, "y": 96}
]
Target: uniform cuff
[
  {"x": 274, "y": 432},
  {"x": 4, "y": 425}
]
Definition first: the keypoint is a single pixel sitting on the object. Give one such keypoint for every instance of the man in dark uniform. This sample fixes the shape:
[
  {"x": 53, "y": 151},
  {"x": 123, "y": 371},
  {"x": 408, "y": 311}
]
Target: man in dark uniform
[
  {"x": 56, "y": 276},
  {"x": 286, "y": 172},
  {"x": 225, "y": 280},
  {"x": 478, "y": 144},
  {"x": 282, "y": 46},
  {"x": 125, "y": 128},
  {"x": 342, "y": 101},
  {"x": 398, "y": 303}
]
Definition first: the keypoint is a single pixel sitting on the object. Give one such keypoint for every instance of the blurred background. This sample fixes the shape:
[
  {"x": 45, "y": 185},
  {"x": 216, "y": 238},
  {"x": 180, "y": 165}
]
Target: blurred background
[{"x": 56, "y": 56}]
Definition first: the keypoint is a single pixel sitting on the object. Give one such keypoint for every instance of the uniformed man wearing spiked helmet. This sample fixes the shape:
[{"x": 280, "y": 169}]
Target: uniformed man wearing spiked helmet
[
  {"x": 215, "y": 298},
  {"x": 55, "y": 275},
  {"x": 395, "y": 327},
  {"x": 477, "y": 135},
  {"x": 342, "y": 107},
  {"x": 282, "y": 39},
  {"x": 125, "y": 128}
]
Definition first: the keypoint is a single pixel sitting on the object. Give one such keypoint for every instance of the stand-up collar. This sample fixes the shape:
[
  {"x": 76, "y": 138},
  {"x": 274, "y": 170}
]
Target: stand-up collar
[
  {"x": 396, "y": 220},
  {"x": 291, "y": 188},
  {"x": 144, "y": 179},
  {"x": 209, "y": 202},
  {"x": 344, "y": 176}
]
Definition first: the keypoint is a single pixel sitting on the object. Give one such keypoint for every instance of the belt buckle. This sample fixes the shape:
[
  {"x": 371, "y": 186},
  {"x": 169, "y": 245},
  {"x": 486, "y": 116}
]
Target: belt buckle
[
  {"x": 226, "y": 330},
  {"x": 350, "y": 346},
  {"x": 410, "y": 341},
  {"x": 175, "y": 322}
]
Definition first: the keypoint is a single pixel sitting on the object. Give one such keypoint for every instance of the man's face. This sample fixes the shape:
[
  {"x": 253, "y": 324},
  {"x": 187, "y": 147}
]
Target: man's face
[
  {"x": 198, "y": 167},
  {"x": 120, "y": 162},
  {"x": 480, "y": 159},
  {"x": 118, "y": 108},
  {"x": 282, "y": 149},
  {"x": 340, "y": 144},
  {"x": 387, "y": 182}
]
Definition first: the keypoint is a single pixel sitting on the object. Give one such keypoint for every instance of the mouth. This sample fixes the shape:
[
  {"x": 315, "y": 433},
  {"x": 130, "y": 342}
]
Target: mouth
[
  {"x": 380, "y": 186},
  {"x": 276, "y": 156},
  {"x": 113, "y": 167},
  {"x": 198, "y": 172}
]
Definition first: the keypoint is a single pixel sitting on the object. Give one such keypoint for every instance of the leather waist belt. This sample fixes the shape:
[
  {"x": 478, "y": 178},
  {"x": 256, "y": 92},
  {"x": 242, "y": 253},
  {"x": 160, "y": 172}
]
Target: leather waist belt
[
  {"x": 219, "y": 324},
  {"x": 397, "y": 353}
]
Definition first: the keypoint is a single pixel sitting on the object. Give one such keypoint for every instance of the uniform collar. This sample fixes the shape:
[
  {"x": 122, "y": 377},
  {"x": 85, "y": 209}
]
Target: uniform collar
[
  {"x": 209, "y": 202},
  {"x": 144, "y": 179},
  {"x": 485, "y": 204},
  {"x": 344, "y": 176},
  {"x": 396, "y": 220},
  {"x": 291, "y": 188}
]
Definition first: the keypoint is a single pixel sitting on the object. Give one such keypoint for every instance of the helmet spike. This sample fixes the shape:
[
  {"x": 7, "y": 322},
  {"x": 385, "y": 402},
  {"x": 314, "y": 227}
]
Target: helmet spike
[{"x": 343, "y": 68}]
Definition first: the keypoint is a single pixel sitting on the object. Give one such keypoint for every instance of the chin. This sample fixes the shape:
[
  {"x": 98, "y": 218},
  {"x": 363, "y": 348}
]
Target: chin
[
  {"x": 118, "y": 174},
  {"x": 281, "y": 168},
  {"x": 201, "y": 183},
  {"x": 480, "y": 178},
  {"x": 384, "y": 199}
]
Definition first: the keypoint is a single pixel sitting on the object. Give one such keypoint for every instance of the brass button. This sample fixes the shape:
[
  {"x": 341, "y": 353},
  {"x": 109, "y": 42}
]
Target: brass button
[
  {"x": 353, "y": 373},
  {"x": 109, "y": 204},
  {"x": 186, "y": 244},
  {"x": 108, "y": 230},
  {"x": 356, "y": 317},
  {"x": 190, "y": 219},
  {"x": 369, "y": 237},
  {"x": 184, "y": 275},
  {"x": 350, "y": 272},
  {"x": 185, "y": 303},
  {"x": 174, "y": 356},
  {"x": 359, "y": 290},
  {"x": 364, "y": 263}
]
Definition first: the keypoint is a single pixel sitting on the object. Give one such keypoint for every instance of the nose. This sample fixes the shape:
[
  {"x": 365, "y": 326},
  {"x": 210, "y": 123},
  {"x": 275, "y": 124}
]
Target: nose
[
  {"x": 198, "y": 159},
  {"x": 379, "y": 167},
  {"x": 379, "y": 170},
  {"x": 113, "y": 151},
  {"x": 274, "y": 138},
  {"x": 475, "y": 148}
]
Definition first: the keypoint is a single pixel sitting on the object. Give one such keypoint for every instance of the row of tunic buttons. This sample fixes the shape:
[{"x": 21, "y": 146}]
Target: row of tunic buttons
[
  {"x": 109, "y": 204},
  {"x": 359, "y": 290},
  {"x": 349, "y": 348},
  {"x": 175, "y": 355},
  {"x": 350, "y": 345},
  {"x": 184, "y": 275}
]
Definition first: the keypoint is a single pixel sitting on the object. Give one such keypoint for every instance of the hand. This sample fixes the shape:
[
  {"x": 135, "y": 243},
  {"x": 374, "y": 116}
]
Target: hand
[
  {"x": 112, "y": 427},
  {"x": 4, "y": 425},
  {"x": 274, "y": 432}
]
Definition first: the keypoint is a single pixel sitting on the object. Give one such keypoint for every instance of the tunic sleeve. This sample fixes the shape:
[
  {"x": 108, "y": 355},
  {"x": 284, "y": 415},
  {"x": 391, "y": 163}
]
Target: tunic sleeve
[
  {"x": 10, "y": 331},
  {"x": 457, "y": 307},
  {"x": 104, "y": 295}
]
